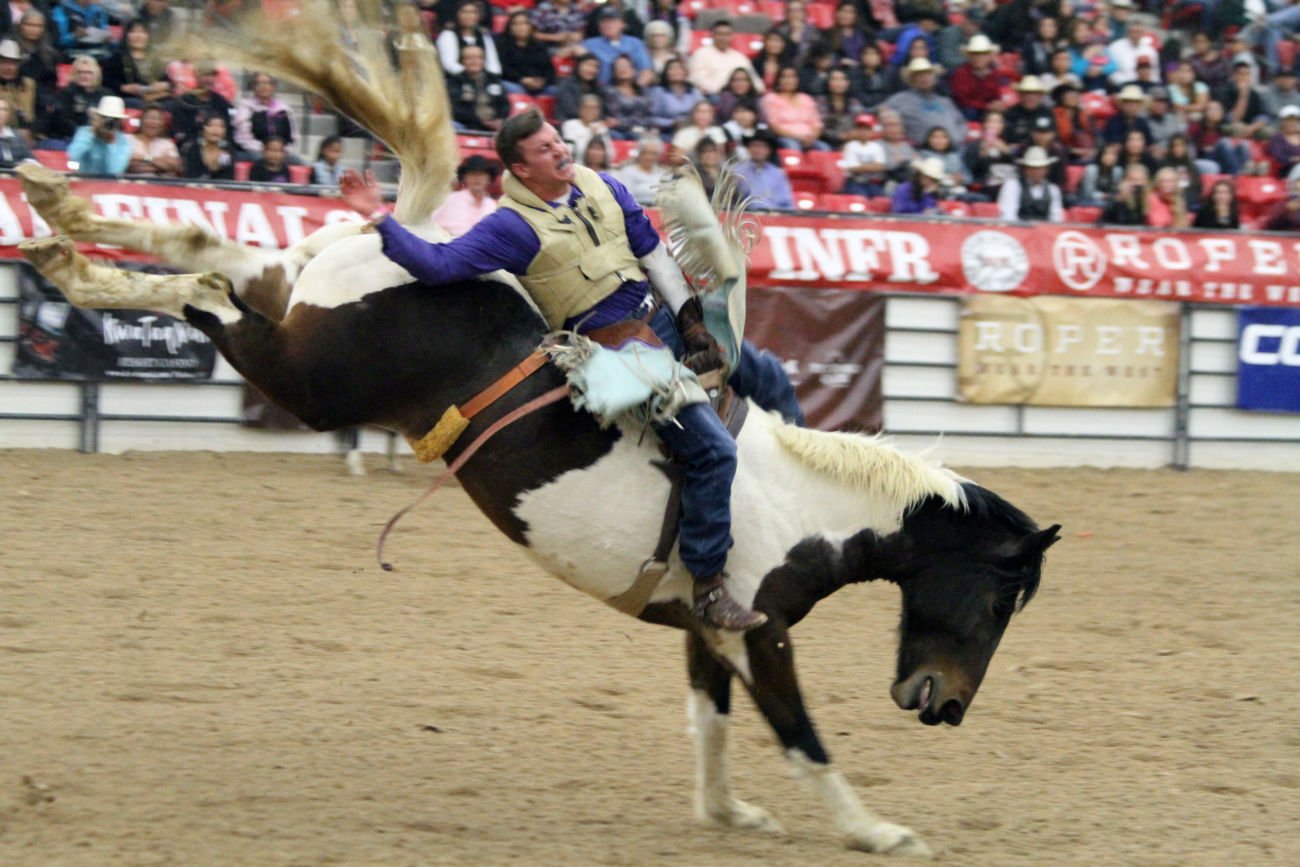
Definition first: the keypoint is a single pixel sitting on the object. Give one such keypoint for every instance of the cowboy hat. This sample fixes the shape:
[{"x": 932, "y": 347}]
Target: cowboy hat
[
  {"x": 980, "y": 44},
  {"x": 9, "y": 50},
  {"x": 1036, "y": 158},
  {"x": 931, "y": 167},
  {"x": 1031, "y": 84},
  {"x": 1131, "y": 93},
  {"x": 111, "y": 106},
  {"x": 918, "y": 64}
]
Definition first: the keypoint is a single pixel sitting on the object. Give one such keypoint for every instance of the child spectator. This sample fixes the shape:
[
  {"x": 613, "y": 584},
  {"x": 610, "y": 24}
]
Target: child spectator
[
  {"x": 471, "y": 203},
  {"x": 152, "y": 152},
  {"x": 271, "y": 168},
  {"x": 327, "y": 171},
  {"x": 871, "y": 165},
  {"x": 101, "y": 147}
]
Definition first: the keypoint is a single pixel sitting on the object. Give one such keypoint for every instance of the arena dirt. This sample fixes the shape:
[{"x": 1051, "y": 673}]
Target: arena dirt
[{"x": 201, "y": 664}]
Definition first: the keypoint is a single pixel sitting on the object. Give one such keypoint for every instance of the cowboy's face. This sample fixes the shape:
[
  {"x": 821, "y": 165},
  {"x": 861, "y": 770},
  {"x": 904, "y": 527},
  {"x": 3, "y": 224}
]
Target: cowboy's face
[
  {"x": 548, "y": 161},
  {"x": 980, "y": 61},
  {"x": 760, "y": 151},
  {"x": 923, "y": 81},
  {"x": 1035, "y": 174},
  {"x": 1031, "y": 99}
]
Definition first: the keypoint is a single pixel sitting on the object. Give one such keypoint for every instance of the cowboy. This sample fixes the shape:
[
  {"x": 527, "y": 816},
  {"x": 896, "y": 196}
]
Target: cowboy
[
  {"x": 588, "y": 256},
  {"x": 977, "y": 84},
  {"x": 922, "y": 107},
  {"x": 102, "y": 148},
  {"x": 1032, "y": 106},
  {"x": 1132, "y": 108},
  {"x": 764, "y": 180},
  {"x": 1031, "y": 197}
]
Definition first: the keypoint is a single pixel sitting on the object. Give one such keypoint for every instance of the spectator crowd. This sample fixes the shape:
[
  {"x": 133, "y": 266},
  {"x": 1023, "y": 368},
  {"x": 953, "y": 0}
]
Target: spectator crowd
[{"x": 1163, "y": 113}]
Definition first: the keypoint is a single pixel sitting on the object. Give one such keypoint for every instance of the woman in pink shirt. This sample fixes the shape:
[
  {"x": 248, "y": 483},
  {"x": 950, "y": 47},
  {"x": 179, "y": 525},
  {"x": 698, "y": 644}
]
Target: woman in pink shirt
[
  {"x": 471, "y": 202},
  {"x": 792, "y": 115}
]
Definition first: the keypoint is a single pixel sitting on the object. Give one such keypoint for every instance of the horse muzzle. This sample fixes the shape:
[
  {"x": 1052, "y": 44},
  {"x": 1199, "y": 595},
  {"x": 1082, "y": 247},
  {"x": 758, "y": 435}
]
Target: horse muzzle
[{"x": 928, "y": 691}]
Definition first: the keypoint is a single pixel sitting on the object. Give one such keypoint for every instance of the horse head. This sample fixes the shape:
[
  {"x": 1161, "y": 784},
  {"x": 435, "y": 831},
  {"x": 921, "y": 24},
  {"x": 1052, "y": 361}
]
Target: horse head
[{"x": 963, "y": 573}]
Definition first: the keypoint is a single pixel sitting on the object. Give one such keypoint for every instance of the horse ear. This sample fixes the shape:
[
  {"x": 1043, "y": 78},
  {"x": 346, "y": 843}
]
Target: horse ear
[
  {"x": 1044, "y": 539},
  {"x": 1030, "y": 548}
]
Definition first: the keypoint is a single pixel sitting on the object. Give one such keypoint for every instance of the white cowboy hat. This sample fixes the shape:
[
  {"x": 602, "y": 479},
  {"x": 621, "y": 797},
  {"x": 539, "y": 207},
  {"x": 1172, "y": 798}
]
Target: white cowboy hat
[
  {"x": 980, "y": 44},
  {"x": 1122, "y": 4},
  {"x": 931, "y": 167},
  {"x": 9, "y": 50},
  {"x": 918, "y": 64},
  {"x": 111, "y": 106},
  {"x": 1036, "y": 158},
  {"x": 1031, "y": 84},
  {"x": 1131, "y": 93}
]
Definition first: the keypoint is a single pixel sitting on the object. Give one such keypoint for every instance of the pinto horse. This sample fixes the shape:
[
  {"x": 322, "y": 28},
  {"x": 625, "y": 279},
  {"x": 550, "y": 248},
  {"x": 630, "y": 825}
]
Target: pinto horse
[{"x": 360, "y": 342}]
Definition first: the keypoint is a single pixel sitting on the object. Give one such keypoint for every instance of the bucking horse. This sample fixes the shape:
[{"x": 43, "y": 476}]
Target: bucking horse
[{"x": 335, "y": 333}]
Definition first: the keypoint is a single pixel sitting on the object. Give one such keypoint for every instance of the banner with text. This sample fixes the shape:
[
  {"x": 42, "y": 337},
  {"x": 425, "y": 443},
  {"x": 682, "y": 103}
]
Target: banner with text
[
  {"x": 1268, "y": 359},
  {"x": 59, "y": 341},
  {"x": 850, "y": 252},
  {"x": 833, "y": 346},
  {"x": 1068, "y": 352}
]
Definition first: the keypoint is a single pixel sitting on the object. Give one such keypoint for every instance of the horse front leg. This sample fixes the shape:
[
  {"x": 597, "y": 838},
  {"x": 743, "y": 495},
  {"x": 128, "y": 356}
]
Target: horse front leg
[
  {"x": 775, "y": 688},
  {"x": 709, "y": 709}
]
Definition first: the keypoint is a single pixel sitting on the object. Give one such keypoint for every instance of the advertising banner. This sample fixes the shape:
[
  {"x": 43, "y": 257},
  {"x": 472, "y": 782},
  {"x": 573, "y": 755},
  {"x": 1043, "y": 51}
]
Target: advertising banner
[
  {"x": 874, "y": 253},
  {"x": 59, "y": 341},
  {"x": 1068, "y": 352},
  {"x": 833, "y": 346},
  {"x": 1268, "y": 359}
]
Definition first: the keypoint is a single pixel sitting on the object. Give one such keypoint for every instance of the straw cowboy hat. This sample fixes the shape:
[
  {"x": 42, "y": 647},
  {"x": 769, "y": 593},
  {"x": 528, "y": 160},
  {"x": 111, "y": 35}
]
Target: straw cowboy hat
[
  {"x": 918, "y": 64},
  {"x": 1132, "y": 93},
  {"x": 931, "y": 167},
  {"x": 111, "y": 106},
  {"x": 980, "y": 44},
  {"x": 1036, "y": 158},
  {"x": 1031, "y": 84},
  {"x": 9, "y": 50}
]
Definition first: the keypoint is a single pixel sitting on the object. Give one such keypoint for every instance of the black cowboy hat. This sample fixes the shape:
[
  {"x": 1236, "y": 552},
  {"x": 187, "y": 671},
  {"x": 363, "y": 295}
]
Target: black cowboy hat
[
  {"x": 766, "y": 136},
  {"x": 477, "y": 163}
]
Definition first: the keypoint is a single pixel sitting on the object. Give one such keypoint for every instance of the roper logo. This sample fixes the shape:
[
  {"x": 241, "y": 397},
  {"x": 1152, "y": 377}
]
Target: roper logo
[
  {"x": 1258, "y": 346},
  {"x": 994, "y": 261},
  {"x": 1079, "y": 262}
]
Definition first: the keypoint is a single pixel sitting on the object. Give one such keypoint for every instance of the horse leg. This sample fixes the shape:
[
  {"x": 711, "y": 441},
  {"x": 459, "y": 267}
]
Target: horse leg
[
  {"x": 708, "y": 709},
  {"x": 775, "y": 689}
]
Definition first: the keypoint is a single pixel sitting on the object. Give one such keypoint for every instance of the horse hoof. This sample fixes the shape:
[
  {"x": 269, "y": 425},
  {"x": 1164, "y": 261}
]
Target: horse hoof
[
  {"x": 355, "y": 463},
  {"x": 739, "y": 814},
  {"x": 887, "y": 839},
  {"x": 43, "y": 186},
  {"x": 47, "y": 251}
]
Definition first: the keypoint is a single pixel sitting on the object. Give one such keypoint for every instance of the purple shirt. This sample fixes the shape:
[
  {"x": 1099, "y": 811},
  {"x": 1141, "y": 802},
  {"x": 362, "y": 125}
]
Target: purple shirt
[{"x": 504, "y": 241}]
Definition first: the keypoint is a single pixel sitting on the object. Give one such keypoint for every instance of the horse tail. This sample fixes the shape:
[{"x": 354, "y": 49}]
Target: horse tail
[{"x": 407, "y": 108}]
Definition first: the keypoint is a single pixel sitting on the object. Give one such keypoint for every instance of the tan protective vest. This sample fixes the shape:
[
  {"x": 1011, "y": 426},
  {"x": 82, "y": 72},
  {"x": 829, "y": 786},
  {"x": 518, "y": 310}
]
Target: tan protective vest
[{"x": 584, "y": 255}]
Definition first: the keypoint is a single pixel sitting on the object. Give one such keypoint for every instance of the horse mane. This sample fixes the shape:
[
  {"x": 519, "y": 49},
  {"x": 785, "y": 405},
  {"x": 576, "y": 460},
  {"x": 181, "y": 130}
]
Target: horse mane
[
  {"x": 983, "y": 503},
  {"x": 407, "y": 109},
  {"x": 872, "y": 465}
]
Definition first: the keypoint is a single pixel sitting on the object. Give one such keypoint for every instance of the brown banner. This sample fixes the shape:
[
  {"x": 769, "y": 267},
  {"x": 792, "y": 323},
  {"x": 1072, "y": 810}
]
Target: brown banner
[
  {"x": 1068, "y": 352},
  {"x": 833, "y": 346}
]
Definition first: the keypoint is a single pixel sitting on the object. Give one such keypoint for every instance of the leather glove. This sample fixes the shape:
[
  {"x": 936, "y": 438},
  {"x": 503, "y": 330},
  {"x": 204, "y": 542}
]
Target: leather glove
[{"x": 703, "y": 354}]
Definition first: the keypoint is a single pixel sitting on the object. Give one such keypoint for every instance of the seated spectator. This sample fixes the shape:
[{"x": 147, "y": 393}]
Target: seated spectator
[
  {"x": 1128, "y": 204},
  {"x": 711, "y": 65},
  {"x": 192, "y": 109},
  {"x": 1163, "y": 121},
  {"x": 1242, "y": 102},
  {"x": 707, "y": 158},
  {"x": 13, "y": 146},
  {"x": 627, "y": 106},
  {"x": 464, "y": 33},
  {"x": 101, "y": 147},
  {"x": 1187, "y": 95},
  {"x": 703, "y": 124},
  {"x": 271, "y": 168},
  {"x": 18, "y": 90},
  {"x": 921, "y": 107},
  {"x": 1179, "y": 157},
  {"x": 920, "y": 193},
  {"x": 595, "y": 155},
  {"x": 659, "y": 45},
  {"x": 560, "y": 25},
  {"x": 135, "y": 73},
  {"x": 924, "y": 28},
  {"x": 478, "y": 97},
  {"x": 872, "y": 166},
  {"x": 409, "y": 32},
  {"x": 799, "y": 34},
  {"x": 740, "y": 90},
  {"x": 939, "y": 146},
  {"x": 1024, "y": 115},
  {"x": 792, "y": 115},
  {"x": 81, "y": 27},
  {"x": 1131, "y": 116},
  {"x": 644, "y": 172},
  {"x": 525, "y": 63},
  {"x": 989, "y": 159},
  {"x": 40, "y": 58},
  {"x": 471, "y": 203},
  {"x": 1058, "y": 70},
  {"x": 1094, "y": 79},
  {"x": 1284, "y": 147},
  {"x": 327, "y": 171},
  {"x": 1166, "y": 205},
  {"x": 672, "y": 99},
  {"x": 1031, "y": 197},
  {"x": 764, "y": 181},
  {"x": 160, "y": 18},
  {"x": 264, "y": 116},
  {"x": 1036, "y": 53},
  {"x": 846, "y": 36},
  {"x": 977, "y": 84},
  {"x": 775, "y": 54},
  {"x": 744, "y": 121},
  {"x": 585, "y": 81},
  {"x": 1137, "y": 150},
  {"x": 1220, "y": 209},
  {"x": 1102, "y": 179},
  {"x": 1209, "y": 63},
  {"x": 872, "y": 83},
  {"x": 613, "y": 42},
  {"x": 589, "y": 124},
  {"x": 1075, "y": 128},
  {"x": 671, "y": 13},
  {"x": 71, "y": 110},
  {"x": 1281, "y": 92},
  {"x": 209, "y": 157},
  {"x": 838, "y": 109},
  {"x": 1043, "y": 136},
  {"x": 1125, "y": 52},
  {"x": 1285, "y": 215},
  {"x": 152, "y": 151}
]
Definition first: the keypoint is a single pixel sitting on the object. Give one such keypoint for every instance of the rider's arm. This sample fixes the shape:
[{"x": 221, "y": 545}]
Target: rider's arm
[
  {"x": 500, "y": 241},
  {"x": 660, "y": 267}
]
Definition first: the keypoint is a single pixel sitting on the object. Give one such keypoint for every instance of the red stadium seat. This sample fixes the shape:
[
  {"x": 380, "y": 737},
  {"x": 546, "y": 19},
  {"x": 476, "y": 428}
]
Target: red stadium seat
[
  {"x": 242, "y": 170},
  {"x": 1098, "y": 105},
  {"x": 1208, "y": 182},
  {"x": 750, "y": 46},
  {"x": 520, "y": 103},
  {"x": 1259, "y": 193},
  {"x": 699, "y": 39},
  {"x": 986, "y": 210},
  {"x": 954, "y": 208},
  {"x": 828, "y": 165},
  {"x": 806, "y": 201},
  {"x": 844, "y": 203},
  {"x": 790, "y": 159},
  {"x": 691, "y": 8},
  {"x": 1286, "y": 54},
  {"x": 774, "y": 9},
  {"x": 62, "y": 75},
  {"x": 132, "y": 122},
  {"x": 821, "y": 14},
  {"x": 52, "y": 159},
  {"x": 300, "y": 174},
  {"x": 880, "y": 204},
  {"x": 474, "y": 142},
  {"x": 547, "y": 105},
  {"x": 563, "y": 66},
  {"x": 622, "y": 151},
  {"x": 1083, "y": 214},
  {"x": 1073, "y": 177}
]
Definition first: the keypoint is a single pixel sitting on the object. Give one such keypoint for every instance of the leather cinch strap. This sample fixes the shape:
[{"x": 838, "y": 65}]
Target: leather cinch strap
[{"x": 508, "y": 380}]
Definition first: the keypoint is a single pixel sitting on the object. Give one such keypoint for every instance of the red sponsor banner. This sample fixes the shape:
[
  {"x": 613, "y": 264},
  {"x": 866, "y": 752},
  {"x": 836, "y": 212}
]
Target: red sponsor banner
[{"x": 863, "y": 253}]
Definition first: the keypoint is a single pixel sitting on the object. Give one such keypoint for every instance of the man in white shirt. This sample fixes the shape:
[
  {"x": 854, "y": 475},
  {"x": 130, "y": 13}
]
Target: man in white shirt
[
  {"x": 711, "y": 66},
  {"x": 1031, "y": 197}
]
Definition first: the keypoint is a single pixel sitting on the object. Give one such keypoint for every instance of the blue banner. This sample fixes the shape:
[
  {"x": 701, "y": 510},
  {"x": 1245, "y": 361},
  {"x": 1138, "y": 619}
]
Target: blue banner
[{"x": 1268, "y": 359}]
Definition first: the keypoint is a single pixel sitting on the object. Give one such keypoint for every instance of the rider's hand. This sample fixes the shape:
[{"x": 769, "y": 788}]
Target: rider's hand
[
  {"x": 702, "y": 352},
  {"x": 361, "y": 194}
]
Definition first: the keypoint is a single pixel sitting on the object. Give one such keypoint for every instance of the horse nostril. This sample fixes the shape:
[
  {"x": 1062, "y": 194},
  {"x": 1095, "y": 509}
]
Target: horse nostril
[{"x": 952, "y": 712}]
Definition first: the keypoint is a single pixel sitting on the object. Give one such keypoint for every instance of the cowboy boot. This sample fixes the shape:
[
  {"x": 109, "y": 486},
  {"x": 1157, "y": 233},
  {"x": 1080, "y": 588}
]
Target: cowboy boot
[{"x": 715, "y": 607}]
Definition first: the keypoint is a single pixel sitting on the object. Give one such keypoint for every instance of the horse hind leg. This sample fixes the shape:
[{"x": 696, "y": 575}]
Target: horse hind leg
[{"x": 709, "y": 709}]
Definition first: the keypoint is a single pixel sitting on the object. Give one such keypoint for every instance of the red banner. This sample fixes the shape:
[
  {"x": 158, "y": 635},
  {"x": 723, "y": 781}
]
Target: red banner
[{"x": 864, "y": 253}]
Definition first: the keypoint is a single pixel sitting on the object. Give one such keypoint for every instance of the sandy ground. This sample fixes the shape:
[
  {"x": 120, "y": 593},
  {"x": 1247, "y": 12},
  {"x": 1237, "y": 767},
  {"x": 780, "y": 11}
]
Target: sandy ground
[{"x": 201, "y": 664}]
